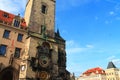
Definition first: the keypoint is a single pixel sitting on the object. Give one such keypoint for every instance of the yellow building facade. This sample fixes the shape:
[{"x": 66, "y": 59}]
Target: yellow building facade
[
  {"x": 112, "y": 72},
  {"x": 93, "y": 74},
  {"x": 13, "y": 45}
]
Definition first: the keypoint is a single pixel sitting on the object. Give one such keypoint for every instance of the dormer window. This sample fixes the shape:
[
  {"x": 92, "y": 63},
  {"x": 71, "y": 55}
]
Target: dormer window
[
  {"x": 16, "y": 23},
  {"x": 44, "y": 9},
  {"x": 6, "y": 15}
]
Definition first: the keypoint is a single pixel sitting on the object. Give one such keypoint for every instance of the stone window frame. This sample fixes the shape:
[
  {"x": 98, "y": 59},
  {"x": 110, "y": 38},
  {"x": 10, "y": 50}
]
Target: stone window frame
[
  {"x": 20, "y": 37},
  {"x": 16, "y": 23},
  {"x": 17, "y": 52},
  {"x": 46, "y": 8},
  {"x": 6, "y": 34},
  {"x": 1, "y": 48}
]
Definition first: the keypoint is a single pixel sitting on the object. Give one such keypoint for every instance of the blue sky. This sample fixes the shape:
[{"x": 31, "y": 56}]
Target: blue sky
[{"x": 91, "y": 29}]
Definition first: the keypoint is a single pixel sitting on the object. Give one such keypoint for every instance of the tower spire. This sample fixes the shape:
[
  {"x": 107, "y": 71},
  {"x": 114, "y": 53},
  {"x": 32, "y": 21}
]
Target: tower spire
[
  {"x": 58, "y": 33},
  {"x": 111, "y": 65}
]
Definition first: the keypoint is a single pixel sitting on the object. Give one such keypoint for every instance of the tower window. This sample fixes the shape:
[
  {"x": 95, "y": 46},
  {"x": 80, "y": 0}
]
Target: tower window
[
  {"x": 16, "y": 23},
  {"x": 44, "y": 9},
  {"x": 3, "y": 49},
  {"x": 6, "y": 34},
  {"x": 20, "y": 37},
  {"x": 6, "y": 15},
  {"x": 17, "y": 52}
]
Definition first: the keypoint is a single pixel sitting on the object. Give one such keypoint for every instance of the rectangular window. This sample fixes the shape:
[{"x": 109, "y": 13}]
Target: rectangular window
[
  {"x": 6, "y": 15},
  {"x": 6, "y": 34},
  {"x": 3, "y": 49},
  {"x": 43, "y": 8},
  {"x": 16, "y": 23},
  {"x": 17, "y": 52},
  {"x": 20, "y": 37}
]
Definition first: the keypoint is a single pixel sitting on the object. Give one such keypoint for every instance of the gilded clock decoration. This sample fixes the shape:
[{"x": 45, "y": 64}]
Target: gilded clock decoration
[{"x": 43, "y": 75}]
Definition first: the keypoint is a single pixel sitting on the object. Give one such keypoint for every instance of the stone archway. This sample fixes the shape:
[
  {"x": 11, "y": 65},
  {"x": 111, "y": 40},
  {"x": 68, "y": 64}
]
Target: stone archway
[{"x": 9, "y": 73}]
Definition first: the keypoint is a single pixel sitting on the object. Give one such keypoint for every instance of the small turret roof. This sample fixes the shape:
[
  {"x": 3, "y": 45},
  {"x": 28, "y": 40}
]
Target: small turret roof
[
  {"x": 111, "y": 65},
  {"x": 57, "y": 35}
]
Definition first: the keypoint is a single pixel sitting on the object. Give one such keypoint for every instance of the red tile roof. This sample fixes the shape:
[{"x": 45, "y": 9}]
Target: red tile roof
[
  {"x": 23, "y": 23},
  {"x": 94, "y": 70},
  {"x": 10, "y": 17}
]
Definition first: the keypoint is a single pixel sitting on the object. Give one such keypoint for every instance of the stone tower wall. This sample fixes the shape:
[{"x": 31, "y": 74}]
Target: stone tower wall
[{"x": 35, "y": 18}]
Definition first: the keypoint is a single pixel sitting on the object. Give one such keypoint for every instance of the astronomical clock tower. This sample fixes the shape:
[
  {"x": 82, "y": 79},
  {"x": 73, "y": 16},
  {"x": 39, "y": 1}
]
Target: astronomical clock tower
[{"x": 47, "y": 55}]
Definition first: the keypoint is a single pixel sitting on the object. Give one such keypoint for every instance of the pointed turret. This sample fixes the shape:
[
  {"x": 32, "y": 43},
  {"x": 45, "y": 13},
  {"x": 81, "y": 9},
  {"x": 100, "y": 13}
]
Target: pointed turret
[
  {"x": 111, "y": 65},
  {"x": 58, "y": 33},
  {"x": 58, "y": 36}
]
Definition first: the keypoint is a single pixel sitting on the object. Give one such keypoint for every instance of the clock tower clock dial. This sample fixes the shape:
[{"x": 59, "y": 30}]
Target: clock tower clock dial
[{"x": 44, "y": 61}]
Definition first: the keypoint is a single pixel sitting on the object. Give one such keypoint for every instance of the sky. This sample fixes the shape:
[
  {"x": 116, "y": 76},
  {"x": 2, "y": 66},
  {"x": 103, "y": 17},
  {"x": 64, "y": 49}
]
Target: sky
[{"x": 91, "y": 29}]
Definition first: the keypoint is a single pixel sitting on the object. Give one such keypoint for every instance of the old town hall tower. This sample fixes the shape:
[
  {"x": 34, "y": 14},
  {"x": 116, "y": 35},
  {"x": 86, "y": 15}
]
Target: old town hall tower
[
  {"x": 40, "y": 13},
  {"x": 30, "y": 48},
  {"x": 47, "y": 55}
]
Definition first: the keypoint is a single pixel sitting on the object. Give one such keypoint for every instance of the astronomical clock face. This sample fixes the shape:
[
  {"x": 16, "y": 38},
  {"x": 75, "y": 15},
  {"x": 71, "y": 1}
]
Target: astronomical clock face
[
  {"x": 44, "y": 61},
  {"x": 43, "y": 75}
]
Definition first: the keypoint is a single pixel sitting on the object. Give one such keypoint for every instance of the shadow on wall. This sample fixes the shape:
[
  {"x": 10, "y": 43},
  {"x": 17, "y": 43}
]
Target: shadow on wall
[{"x": 9, "y": 73}]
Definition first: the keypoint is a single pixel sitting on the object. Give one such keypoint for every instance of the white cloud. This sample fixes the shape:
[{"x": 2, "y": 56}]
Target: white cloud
[
  {"x": 75, "y": 47},
  {"x": 78, "y": 2},
  {"x": 75, "y": 68},
  {"x": 13, "y": 6},
  {"x": 117, "y": 7},
  {"x": 108, "y": 21},
  {"x": 75, "y": 50},
  {"x": 113, "y": 1},
  {"x": 117, "y": 18},
  {"x": 70, "y": 43},
  {"x": 111, "y": 12},
  {"x": 66, "y": 4},
  {"x": 89, "y": 46},
  {"x": 110, "y": 58},
  {"x": 114, "y": 59},
  {"x": 96, "y": 18}
]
